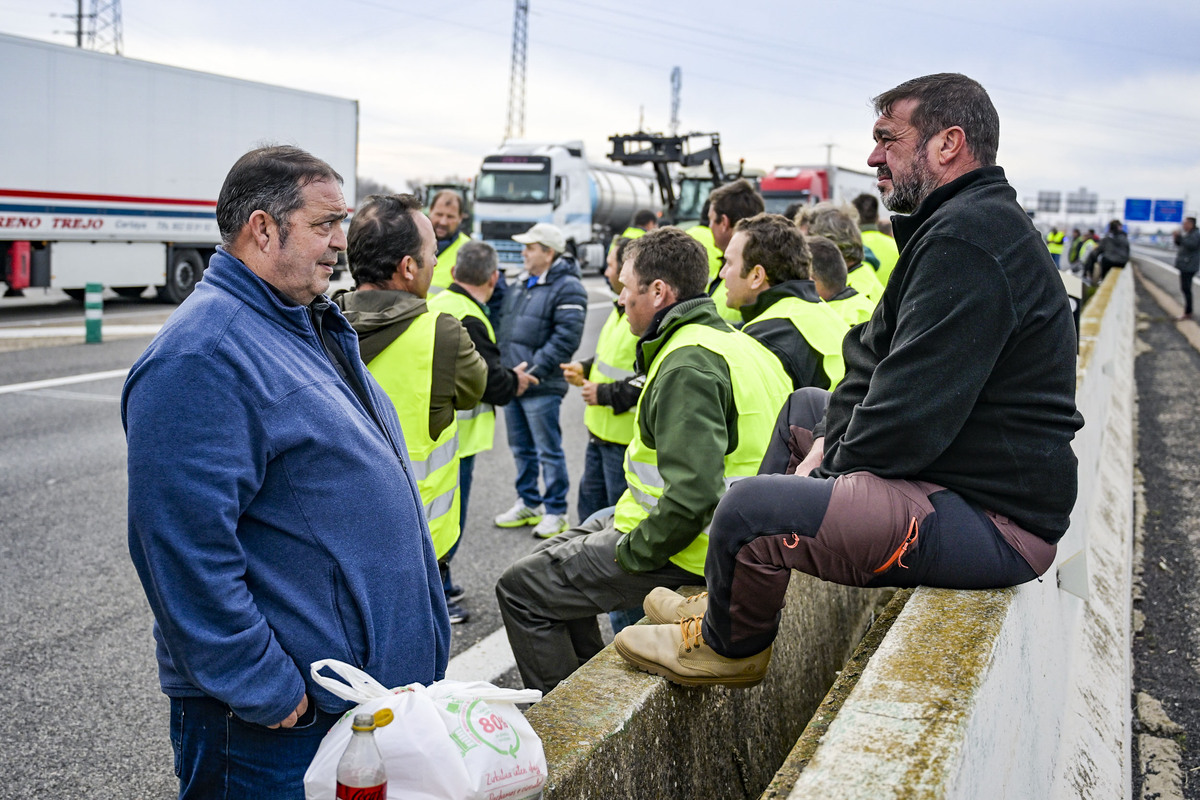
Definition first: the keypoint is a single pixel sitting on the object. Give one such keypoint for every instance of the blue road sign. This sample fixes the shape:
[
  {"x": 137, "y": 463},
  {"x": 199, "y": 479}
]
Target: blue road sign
[
  {"x": 1168, "y": 211},
  {"x": 1137, "y": 209}
]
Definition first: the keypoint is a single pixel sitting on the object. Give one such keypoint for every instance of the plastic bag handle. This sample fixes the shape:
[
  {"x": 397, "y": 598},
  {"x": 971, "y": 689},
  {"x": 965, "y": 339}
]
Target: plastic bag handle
[{"x": 358, "y": 686}]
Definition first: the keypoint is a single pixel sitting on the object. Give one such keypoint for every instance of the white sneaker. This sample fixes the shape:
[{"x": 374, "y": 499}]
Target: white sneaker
[
  {"x": 520, "y": 514},
  {"x": 551, "y": 525}
]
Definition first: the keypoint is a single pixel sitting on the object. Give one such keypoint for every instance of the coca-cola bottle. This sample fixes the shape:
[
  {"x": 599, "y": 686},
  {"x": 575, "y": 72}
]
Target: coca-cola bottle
[{"x": 360, "y": 773}]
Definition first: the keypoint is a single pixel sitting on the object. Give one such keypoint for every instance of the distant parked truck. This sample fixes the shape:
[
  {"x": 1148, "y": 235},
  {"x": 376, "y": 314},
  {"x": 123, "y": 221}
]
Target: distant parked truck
[
  {"x": 783, "y": 186},
  {"x": 112, "y": 166},
  {"x": 523, "y": 183}
]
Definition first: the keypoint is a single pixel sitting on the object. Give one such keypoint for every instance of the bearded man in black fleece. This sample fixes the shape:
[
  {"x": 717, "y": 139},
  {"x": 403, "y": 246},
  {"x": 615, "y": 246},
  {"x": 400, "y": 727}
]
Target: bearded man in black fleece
[{"x": 943, "y": 458}]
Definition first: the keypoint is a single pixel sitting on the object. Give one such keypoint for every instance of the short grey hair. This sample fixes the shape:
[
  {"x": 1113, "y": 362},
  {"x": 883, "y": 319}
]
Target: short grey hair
[{"x": 268, "y": 179}]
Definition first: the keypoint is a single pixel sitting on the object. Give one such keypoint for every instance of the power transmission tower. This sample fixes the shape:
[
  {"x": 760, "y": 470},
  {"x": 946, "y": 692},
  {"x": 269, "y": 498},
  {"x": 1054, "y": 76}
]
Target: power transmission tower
[
  {"x": 516, "y": 74},
  {"x": 104, "y": 27},
  {"x": 676, "y": 87}
]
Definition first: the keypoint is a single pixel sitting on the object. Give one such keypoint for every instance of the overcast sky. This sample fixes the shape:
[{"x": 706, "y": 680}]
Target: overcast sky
[{"x": 1099, "y": 94}]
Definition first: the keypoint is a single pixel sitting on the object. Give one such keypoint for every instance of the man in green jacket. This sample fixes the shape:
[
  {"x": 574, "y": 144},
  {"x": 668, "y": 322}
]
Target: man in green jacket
[
  {"x": 425, "y": 361},
  {"x": 703, "y": 422}
]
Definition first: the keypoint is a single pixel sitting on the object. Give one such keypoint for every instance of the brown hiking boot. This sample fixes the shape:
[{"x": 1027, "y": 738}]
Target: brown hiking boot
[
  {"x": 663, "y": 606},
  {"x": 678, "y": 653}
]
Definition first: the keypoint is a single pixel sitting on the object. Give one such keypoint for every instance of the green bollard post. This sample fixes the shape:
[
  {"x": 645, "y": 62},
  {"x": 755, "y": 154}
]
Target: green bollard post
[{"x": 93, "y": 312}]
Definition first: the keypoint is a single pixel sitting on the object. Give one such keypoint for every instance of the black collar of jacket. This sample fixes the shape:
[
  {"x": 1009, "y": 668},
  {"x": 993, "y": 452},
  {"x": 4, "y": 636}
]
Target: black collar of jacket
[
  {"x": 804, "y": 289},
  {"x": 905, "y": 227}
]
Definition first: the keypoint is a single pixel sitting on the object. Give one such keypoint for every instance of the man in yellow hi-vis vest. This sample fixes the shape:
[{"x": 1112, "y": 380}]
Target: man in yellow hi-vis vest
[
  {"x": 829, "y": 276},
  {"x": 446, "y": 214},
  {"x": 767, "y": 274},
  {"x": 424, "y": 360},
  {"x": 475, "y": 276},
  {"x": 703, "y": 421},
  {"x": 728, "y": 205}
]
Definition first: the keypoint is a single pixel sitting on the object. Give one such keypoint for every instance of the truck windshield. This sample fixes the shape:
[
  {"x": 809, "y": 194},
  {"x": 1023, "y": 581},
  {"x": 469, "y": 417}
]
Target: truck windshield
[
  {"x": 496, "y": 186},
  {"x": 778, "y": 202},
  {"x": 692, "y": 194}
]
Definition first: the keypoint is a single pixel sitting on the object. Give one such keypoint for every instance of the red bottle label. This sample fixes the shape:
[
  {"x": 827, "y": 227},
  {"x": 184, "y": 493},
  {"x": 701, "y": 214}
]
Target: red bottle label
[{"x": 362, "y": 792}]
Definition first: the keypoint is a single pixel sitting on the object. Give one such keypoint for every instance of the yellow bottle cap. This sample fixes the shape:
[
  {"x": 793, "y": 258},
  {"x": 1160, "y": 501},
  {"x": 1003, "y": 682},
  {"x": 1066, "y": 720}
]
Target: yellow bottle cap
[{"x": 383, "y": 717}]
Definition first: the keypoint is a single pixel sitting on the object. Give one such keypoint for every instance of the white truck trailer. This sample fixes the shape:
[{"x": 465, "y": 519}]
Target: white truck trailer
[
  {"x": 523, "y": 183},
  {"x": 112, "y": 166}
]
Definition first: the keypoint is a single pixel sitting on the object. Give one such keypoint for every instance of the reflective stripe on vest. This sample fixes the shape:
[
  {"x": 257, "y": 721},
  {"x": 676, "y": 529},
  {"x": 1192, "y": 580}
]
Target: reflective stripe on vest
[
  {"x": 821, "y": 326},
  {"x": 405, "y": 371},
  {"x": 445, "y": 260},
  {"x": 476, "y": 426},
  {"x": 760, "y": 388},
  {"x": 616, "y": 346}
]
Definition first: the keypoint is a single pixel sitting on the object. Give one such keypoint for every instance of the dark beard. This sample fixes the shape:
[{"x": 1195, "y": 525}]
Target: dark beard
[{"x": 907, "y": 195}]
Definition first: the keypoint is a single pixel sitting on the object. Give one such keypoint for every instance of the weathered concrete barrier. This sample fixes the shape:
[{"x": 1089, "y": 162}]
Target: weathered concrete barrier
[
  {"x": 1019, "y": 692},
  {"x": 611, "y": 731}
]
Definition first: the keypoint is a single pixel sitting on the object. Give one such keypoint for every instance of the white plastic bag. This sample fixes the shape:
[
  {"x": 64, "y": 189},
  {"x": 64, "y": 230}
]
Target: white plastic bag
[{"x": 453, "y": 740}]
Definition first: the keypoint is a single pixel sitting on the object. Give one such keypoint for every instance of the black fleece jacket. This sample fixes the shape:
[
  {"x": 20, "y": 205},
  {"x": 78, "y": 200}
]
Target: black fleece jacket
[{"x": 965, "y": 375}]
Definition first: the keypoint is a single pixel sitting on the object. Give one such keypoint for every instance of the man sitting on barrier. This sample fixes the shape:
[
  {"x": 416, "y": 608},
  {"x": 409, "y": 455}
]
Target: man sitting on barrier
[
  {"x": 702, "y": 422},
  {"x": 943, "y": 458}
]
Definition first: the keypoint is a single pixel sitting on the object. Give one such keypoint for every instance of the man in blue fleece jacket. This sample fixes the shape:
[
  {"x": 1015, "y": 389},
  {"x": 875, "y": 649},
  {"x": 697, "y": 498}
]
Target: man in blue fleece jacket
[{"x": 273, "y": 517}]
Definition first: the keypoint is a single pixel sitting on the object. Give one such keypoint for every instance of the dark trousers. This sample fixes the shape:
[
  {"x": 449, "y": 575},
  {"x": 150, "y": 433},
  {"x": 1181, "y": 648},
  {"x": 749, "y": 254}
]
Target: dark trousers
[
  {"x": 218, "y": 755},
  {"x": 1185, "y": 286},
  {"x": 603, "y": 479},
  {"x": 550, "y": 598},
  {"x": 857, "y": 529}
]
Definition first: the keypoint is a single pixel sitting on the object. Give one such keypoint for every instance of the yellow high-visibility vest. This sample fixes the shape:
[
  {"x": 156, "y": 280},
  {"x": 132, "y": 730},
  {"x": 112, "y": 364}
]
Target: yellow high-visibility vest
[
  {"x": 616, "y": 351},
  {"x": 760, "y": 388},
  {"x": 854, "y": 309},
  {"x": 476, "y": 426},
  {"x": 447, "y": 259},
  {"x": 863, "y": 280},
  {"x": 884, "y": 248},
  {"x": 405, "y": 371},
  {"x": 820, "y": 326}
]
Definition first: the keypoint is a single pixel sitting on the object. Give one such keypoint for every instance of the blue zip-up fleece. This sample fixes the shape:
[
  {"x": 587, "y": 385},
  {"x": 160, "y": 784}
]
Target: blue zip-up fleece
[
  {"x": 543, "y": 324},
  {"x": 272, "y": 521}
]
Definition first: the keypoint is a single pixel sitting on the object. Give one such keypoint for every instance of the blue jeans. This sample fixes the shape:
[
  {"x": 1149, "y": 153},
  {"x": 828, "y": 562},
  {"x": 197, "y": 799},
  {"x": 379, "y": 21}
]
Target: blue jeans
[
  {"x": 536, "y": 441},
  {"x": 603, "y": 479},
  {"x": 219, "y": 756}
]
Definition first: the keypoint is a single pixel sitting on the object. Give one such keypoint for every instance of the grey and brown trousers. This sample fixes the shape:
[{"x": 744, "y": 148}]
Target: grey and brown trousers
[{"x": 856, "y": 529}]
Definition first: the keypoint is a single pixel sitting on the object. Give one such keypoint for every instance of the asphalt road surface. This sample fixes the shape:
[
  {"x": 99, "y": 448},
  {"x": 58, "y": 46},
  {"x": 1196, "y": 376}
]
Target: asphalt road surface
[{"x": 86, "y": 718}]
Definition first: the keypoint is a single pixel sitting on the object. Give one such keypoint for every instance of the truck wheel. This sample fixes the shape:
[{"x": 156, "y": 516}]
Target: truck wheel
[
  {"x": 132, "y": 292},
  {"x": 183, "y": 273}
]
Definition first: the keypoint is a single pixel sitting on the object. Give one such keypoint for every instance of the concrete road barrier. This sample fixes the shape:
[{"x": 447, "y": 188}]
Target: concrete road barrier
[
  {"x": 1019, "y": 692},
  {"x": 611, "y": 731}
]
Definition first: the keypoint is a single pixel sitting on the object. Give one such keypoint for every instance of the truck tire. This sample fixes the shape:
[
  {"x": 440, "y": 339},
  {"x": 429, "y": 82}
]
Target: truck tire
[{"x": 183, "y": 273}]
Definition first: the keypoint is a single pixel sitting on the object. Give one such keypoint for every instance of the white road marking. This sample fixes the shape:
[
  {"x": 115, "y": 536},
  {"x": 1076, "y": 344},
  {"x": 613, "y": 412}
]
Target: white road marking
[
  {"x": 68, "y": 331},
  {"x": 59, "y": 394},
  {"x": 67, "y": 381},
  {"x": 487, "y": 660}
]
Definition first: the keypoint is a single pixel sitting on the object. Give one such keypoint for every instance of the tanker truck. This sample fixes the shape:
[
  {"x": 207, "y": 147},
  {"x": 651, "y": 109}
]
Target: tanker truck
[{"x": 523, "y": 183}]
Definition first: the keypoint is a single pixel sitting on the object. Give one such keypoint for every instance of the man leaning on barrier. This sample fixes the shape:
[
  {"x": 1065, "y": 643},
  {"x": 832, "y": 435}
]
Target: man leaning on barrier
[{"x": 943, "y": 458}]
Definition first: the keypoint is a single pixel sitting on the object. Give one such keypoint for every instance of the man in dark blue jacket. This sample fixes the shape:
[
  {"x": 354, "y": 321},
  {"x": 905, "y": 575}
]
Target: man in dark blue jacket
[
  {"x": 543, "y": 321},
  {"x": 273, "y": 519}
]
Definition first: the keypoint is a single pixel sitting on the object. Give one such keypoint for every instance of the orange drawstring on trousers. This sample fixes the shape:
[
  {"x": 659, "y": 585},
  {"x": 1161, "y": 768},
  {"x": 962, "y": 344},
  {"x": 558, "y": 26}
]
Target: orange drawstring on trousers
[{"x": 897, "y": 558}]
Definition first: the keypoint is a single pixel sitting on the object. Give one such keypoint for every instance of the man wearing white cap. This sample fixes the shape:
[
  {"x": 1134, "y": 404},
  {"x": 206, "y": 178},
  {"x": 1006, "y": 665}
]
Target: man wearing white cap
[{"x": 542, "y": 326}]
